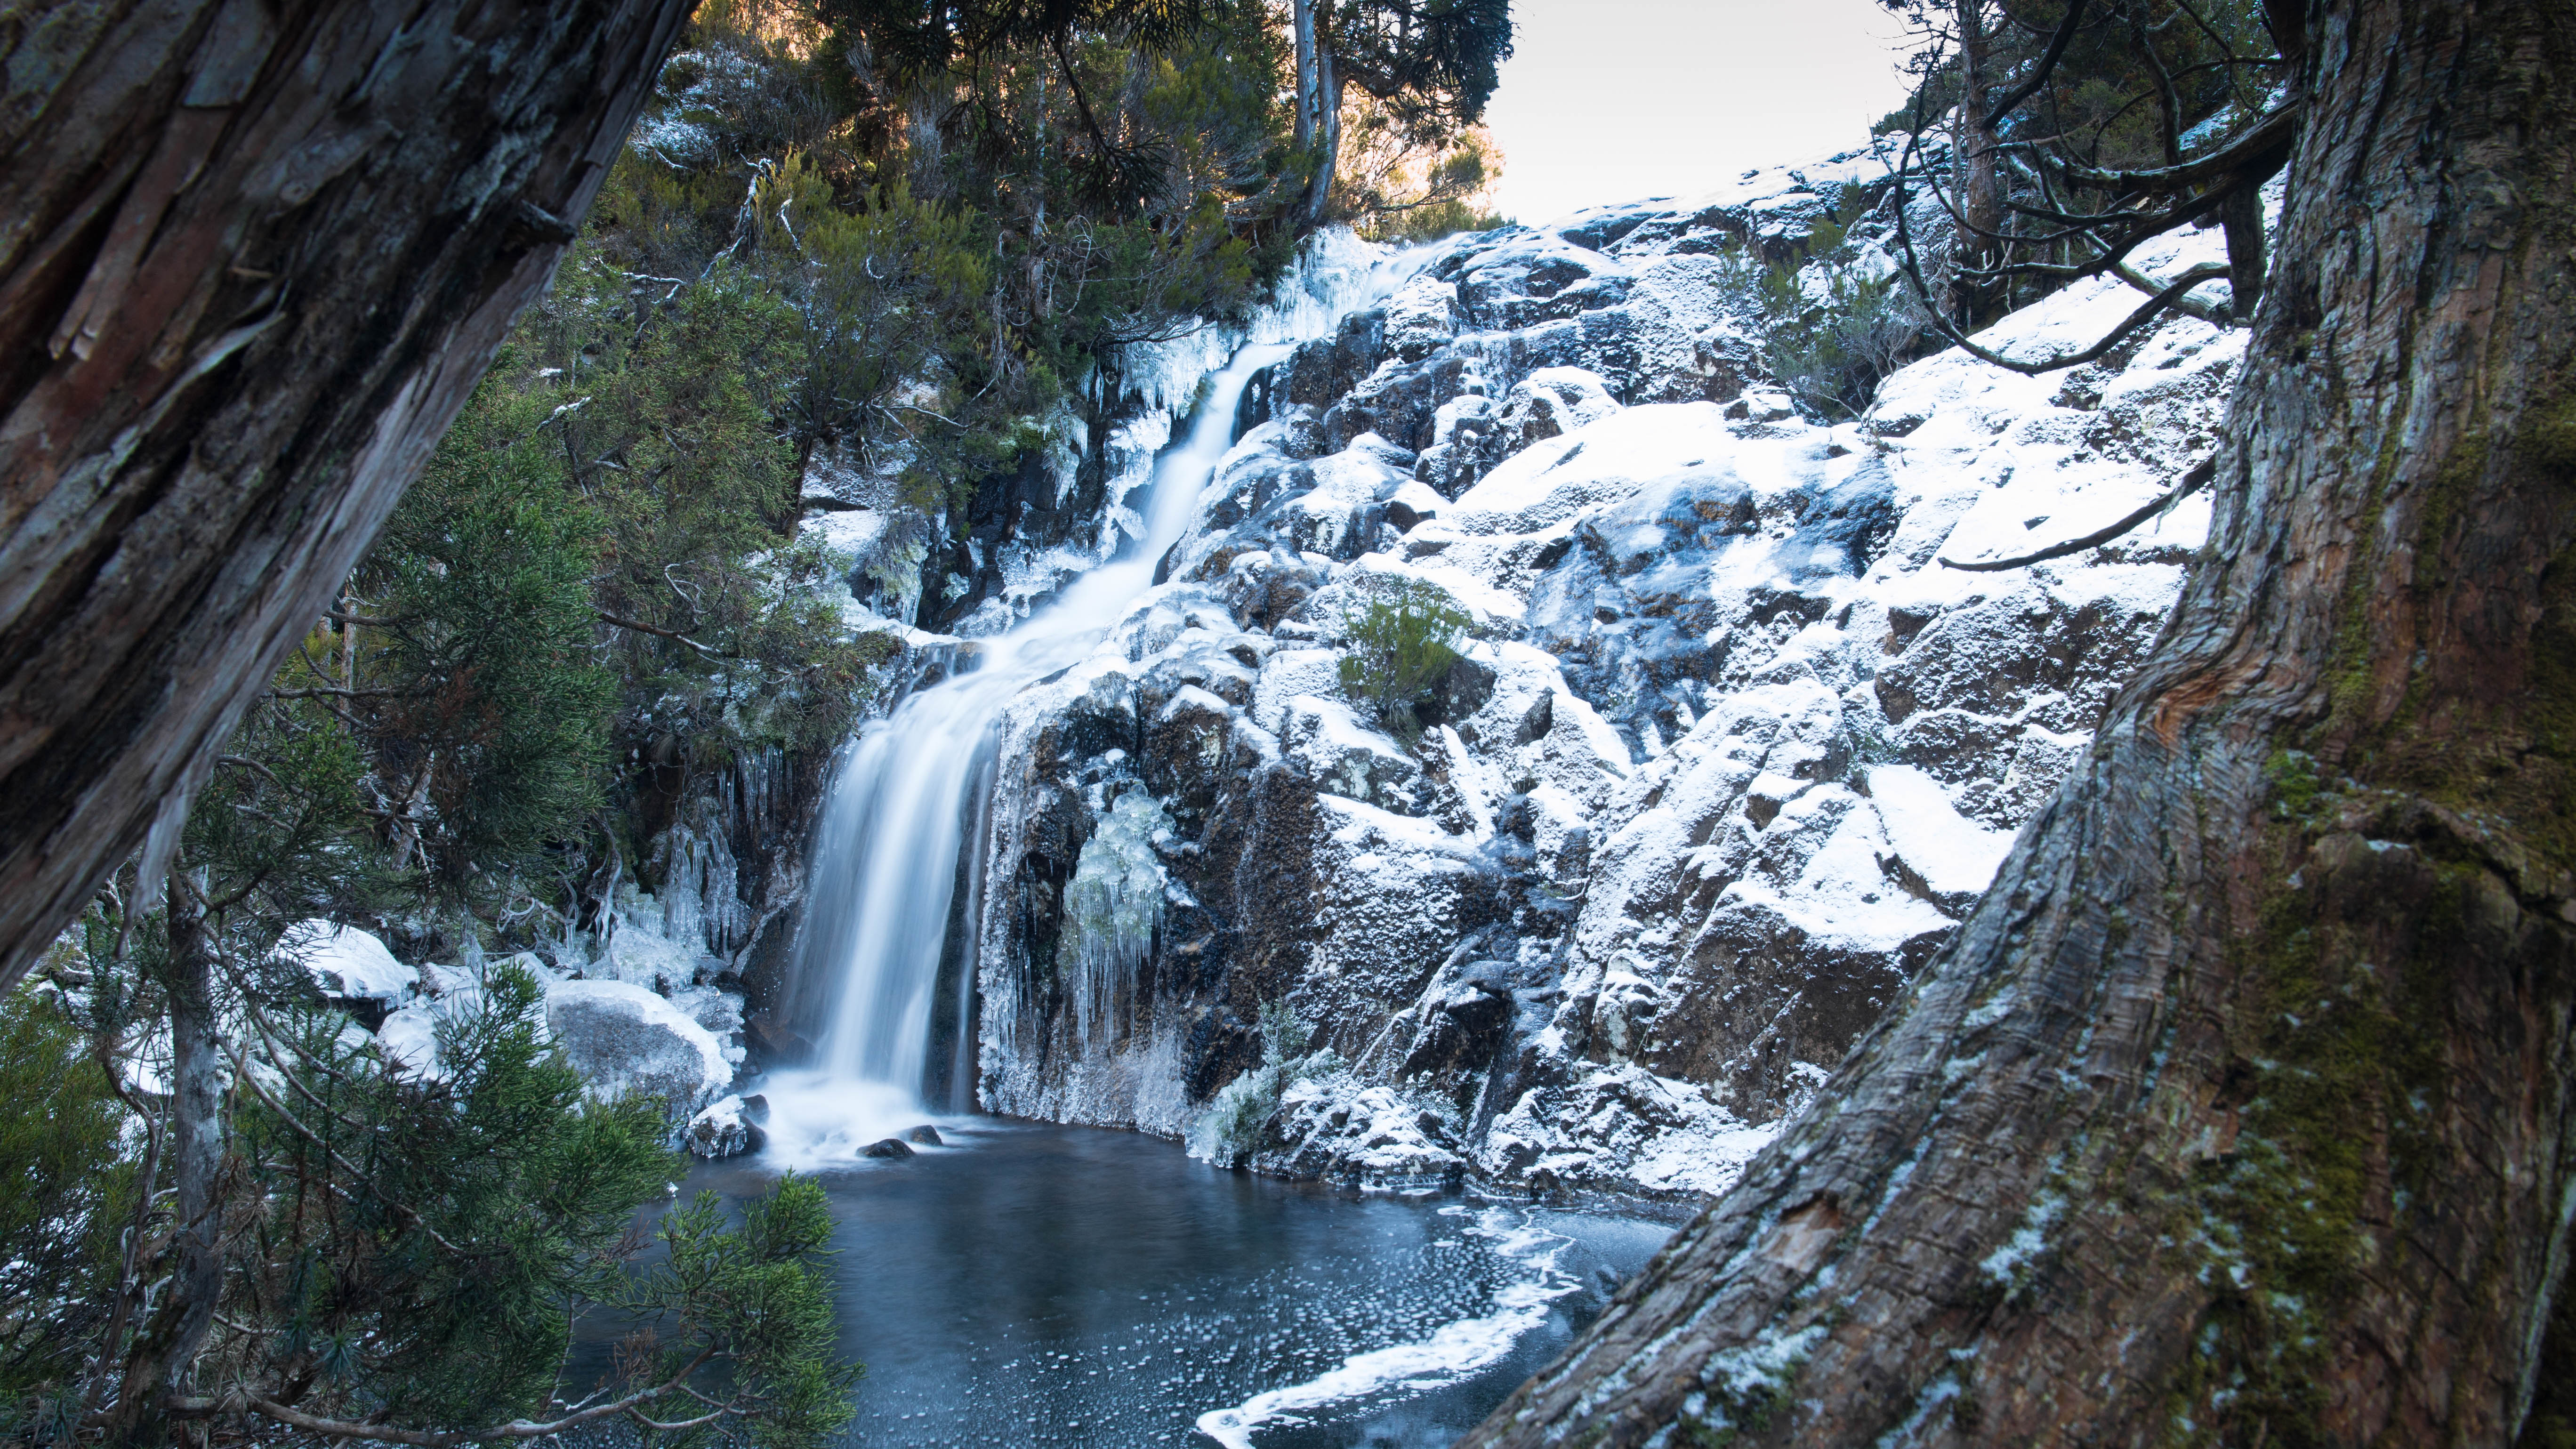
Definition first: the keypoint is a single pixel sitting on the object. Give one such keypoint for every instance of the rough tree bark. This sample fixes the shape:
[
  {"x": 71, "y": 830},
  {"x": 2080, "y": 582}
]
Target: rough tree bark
[
  {"x": 2239, "y": 1110},
  {"x": 253, "y": 256},
  {"x": 169, "y": 1342}
]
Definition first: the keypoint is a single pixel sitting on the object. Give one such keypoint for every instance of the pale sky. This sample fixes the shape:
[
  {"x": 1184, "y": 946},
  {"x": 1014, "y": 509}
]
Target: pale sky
[{"x": 1612, "y": 100}]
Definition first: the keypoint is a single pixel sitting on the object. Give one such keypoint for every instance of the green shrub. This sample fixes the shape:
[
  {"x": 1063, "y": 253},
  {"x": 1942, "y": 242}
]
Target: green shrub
[
  {"x": 66, "y": 1194},
  {"x": 1828, "y": 353},
  {"x": 1398, "y": 646}
]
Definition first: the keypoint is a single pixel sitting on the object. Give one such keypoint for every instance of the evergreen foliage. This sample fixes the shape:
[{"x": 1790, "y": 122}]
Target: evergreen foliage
[
  {"x": 1399, "y": 644},
  {"x": 404, "y": 1252},
  {"x": 67, "y": 1188},
  {"x": 1827, "y": 335}
]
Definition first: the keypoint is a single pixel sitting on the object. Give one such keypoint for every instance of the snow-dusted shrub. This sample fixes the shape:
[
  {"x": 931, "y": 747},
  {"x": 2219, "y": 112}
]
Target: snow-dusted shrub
[{"x": 1229, "y": 1132}]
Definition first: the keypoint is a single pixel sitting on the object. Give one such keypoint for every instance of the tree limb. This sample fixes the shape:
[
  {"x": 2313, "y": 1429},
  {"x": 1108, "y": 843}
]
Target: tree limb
[
  {"x": 2261, "y": 149},
  {"x": 606, "y": 617},
  {"x": 2191, "y": 483},
  {"x": 2047, "y": 63}
]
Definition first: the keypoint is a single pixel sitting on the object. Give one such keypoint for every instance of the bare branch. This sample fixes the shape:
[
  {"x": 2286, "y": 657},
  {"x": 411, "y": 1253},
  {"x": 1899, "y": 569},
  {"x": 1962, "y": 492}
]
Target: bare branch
[
  {"x": 2191, "y": 483},
  {"x": 2259, "y": 152},
  {"x": 606, "y": 617},
  {"x": 630, "y": 1406}
]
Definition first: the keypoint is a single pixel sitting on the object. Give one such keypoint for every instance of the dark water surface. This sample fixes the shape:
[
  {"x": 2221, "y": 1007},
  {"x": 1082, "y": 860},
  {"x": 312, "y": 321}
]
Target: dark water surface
[{"x": 1044, "y": 1285}]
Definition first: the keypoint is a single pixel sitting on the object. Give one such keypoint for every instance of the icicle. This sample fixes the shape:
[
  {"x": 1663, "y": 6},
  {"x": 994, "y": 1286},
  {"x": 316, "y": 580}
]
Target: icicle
[{"x": 1112, "y": 907}]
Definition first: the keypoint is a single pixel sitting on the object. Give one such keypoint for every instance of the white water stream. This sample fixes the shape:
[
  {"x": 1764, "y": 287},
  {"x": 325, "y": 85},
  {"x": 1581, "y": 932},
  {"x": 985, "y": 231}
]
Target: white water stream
[{"x": 912, "y": 791}]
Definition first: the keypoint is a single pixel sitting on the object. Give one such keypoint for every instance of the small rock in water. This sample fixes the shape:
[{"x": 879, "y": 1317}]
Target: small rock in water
[
  {"x": 925, "y": 1134},
  {"x": 756, "y": 1107},
  {"x": 723, "y": 1131},
  {"x": 890, "y": 1147}
]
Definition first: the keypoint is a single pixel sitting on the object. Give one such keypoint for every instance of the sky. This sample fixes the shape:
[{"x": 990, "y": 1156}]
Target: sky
[{"x": 1612, "y": 100}]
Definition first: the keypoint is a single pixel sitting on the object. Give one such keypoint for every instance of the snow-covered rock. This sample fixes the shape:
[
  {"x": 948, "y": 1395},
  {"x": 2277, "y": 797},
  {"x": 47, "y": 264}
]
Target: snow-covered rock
[
  {"x": 409, "y": 1038},
  {"x": 348, "y": 964},
  {"x": 722, "y": 1129},
  {"x": 625, "y": 1041},
  {"x": 1726, "y": 758}
]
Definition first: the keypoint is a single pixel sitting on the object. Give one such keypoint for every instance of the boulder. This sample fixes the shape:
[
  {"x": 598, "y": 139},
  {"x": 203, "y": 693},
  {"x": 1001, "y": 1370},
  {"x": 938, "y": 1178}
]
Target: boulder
[
  {"x": 723, "y": 1129},
  {"x": 925, "y": 1134},
  {"x": 626, "y": 1041},
  {"x": 890, "y": 1147},
  {"x": 408, "y": 1038}
]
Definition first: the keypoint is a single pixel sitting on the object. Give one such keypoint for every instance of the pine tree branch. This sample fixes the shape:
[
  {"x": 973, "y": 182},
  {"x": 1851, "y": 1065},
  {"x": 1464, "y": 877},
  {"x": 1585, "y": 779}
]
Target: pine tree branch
[
  {"x": 630, "y": 1407},
  {"x": 606, "y": 617},
  {"x": 400, "y": 1209}
]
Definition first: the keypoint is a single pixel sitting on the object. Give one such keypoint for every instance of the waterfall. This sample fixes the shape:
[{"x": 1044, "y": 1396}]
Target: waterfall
[{"x": 900, "y": 836}]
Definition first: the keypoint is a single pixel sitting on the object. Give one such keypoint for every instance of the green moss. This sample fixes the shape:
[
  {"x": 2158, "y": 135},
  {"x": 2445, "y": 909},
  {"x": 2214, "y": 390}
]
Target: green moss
[
  {"x": 2548, "y": 435},
  {"x": 2347, "y": 1081},
  {"x": 2295, "y": 786}
]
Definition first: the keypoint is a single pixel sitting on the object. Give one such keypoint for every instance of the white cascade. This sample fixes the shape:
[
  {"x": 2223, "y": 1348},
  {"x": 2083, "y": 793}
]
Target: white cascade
[{"x": 912, "y": 790}]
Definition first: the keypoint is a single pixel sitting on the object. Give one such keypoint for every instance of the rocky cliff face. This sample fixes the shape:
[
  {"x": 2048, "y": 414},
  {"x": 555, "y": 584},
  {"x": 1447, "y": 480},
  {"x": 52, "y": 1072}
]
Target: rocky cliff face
[{"x": 1727, "y": 754}]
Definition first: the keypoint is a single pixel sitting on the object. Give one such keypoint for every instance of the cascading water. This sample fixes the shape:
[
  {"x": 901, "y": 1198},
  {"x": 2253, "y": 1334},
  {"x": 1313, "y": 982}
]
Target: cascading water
[{"x": 912, "y": 790}]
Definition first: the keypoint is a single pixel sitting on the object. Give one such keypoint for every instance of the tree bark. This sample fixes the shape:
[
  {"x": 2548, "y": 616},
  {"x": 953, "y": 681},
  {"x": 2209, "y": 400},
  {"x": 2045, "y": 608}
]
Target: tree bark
[
  {"x": 170, "y": 1341},
  {"x": 1980, "y": 189},
  {"x": 1328, "y": 130},
  {"x": 2239, "y": 1110},
  {"x": 253, "y": 256},
  {"x": 1302, "y": 22}
]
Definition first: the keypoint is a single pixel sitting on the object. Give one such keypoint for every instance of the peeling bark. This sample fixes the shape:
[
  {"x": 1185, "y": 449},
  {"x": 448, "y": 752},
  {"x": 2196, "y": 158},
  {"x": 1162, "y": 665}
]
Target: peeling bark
[
  {"x": 2239, "y": 1111},
  {"x": 253, "y": 256}
]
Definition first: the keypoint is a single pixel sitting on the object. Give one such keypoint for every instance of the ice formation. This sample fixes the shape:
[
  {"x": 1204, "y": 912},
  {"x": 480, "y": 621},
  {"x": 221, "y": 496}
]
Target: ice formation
[{"x": 1112, "y": 906}]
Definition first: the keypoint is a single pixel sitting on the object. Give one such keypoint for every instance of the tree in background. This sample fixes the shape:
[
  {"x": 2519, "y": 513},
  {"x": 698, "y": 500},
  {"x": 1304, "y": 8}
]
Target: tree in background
[
  {"x": 2237, "y": 1111},
  {"x": 1431, "y": 65},
  {"x": 2081, "y": 131},
  {"x": 1394, "y": 186}
]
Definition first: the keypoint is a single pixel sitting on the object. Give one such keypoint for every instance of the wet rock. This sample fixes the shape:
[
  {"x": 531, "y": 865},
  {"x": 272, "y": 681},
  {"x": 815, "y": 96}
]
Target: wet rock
[
  {"x": 888, "y": 1147},
  {"x": 925, "y": 1134},
  {"x": 723, "y": 1129}
]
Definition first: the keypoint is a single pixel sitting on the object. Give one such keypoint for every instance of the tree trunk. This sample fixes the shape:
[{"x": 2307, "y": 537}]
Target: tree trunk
[
  {"x": 177, "y": 1330},
  {"x": 1980, "y": 190},
  {"x": 2239, "y": 1110},
  {"x": 253, "y": 257},
  {"x": 1328, "y": 130},
  {"x": 1302, "y": 20}
]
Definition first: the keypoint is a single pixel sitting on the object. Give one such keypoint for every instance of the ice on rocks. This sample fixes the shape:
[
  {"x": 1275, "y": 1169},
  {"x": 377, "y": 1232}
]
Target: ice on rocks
[
  {"x": 1738, "y": 755},
  {"x": 1112, "y": 906},
  {"x": 627, "y": 1042},
  {"x": 721, "y": 1129}
]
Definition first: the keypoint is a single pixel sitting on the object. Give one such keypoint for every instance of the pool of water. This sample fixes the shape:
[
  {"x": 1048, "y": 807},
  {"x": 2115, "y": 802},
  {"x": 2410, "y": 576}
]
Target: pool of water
[{"x": 1045, "y": 1285}]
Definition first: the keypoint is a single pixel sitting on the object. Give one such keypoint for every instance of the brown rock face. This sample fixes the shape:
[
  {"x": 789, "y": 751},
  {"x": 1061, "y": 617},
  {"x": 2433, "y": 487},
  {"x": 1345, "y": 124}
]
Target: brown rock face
[
  {"x": 2238, "y": 1111},
  {"x": 253, "y": 257}
]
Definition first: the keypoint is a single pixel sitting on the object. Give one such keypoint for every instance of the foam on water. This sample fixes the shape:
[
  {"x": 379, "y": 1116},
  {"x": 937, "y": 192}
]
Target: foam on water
[{"x": 1455, "y": 1351}]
